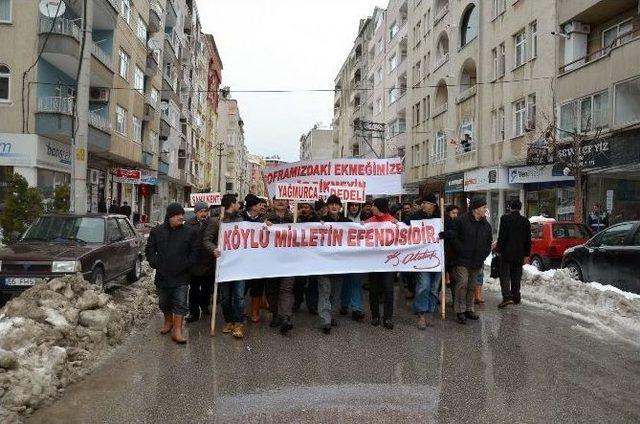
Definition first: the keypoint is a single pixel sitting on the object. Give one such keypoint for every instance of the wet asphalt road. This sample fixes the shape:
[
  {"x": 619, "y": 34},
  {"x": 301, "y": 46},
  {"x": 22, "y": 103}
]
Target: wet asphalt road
[{"x": 521, "y": 365}]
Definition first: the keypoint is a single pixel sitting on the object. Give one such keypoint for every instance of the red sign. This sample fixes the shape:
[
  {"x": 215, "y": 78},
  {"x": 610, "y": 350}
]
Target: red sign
[
  {"x": 212, "y": 199},
  {"x": 123, "y": 175}
]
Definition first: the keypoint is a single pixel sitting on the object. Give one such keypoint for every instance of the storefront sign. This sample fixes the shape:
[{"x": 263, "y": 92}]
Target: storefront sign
[
  {"x": 592, "y": 154},
  {"x": 537, "y": 174},
  {"x": 212, "y": 199},
  {"x": 127, "y": 176},
  {"x": 454, "y": 183},
  {"x": 149, "y": 177},
  {"x": 17, "y": 149},
  {"x": 54, "y": 153},
  {"x": 484, "y": 179},
  {"x": 381, "y": 176},
  {"x": 252, "y": 250}
]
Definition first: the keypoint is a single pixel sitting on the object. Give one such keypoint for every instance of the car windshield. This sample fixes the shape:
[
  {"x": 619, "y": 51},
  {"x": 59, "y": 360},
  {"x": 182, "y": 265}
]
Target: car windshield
[
  {"x": 65, "y": 228},
  {"x": 570, "y": 231}
]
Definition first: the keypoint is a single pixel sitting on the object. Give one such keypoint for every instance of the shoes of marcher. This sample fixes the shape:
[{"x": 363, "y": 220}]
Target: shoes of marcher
[
  {"x": 255, "y": 309},
  {"x": 176, "y": 332},
  {"x": 516, "y": 302},
  {"x": 422, "y": 321},
  {"x": 505, "y": 303},
  {"x": 357, "y": 316},
  {"x": 471, "y": 315},
  {"x": 326, "y": 329},
  {"x": 192, "y": 318},
  {"x": 344, "y": 311},
  {"x": 388, "y": 323},
  {"x": 238, "y": 331},
  {"x": 462, "y": 319},
  {"x": 168, "y": 323},
  {"x": 286, "y": 326},
  {"x": 375, "y": 321},
  {"x": 275, "y": 321},
  {"x": 228, "y": 328}
]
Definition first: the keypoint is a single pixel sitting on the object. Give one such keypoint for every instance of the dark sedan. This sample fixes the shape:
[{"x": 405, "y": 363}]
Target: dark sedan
[
  {"x": 610, "y": 257},
  {"x": 101, "y": 247}
]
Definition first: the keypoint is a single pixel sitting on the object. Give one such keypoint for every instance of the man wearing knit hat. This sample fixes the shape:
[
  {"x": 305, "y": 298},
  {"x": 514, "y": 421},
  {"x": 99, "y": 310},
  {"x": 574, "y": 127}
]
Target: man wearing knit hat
[
  {"x": 172, "y": 251},
  {"x": 471, "y": 241},
  {"x": 202, "y": 273}
]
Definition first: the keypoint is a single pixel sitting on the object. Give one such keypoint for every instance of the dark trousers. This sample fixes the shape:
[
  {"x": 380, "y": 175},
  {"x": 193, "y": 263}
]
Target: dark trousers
[
  {"x": 256, "y": 287},
  {"x": 381, "y": 283},
  {"x": 280, "y": 296},
  {"x": 173, "y": 300},
  {"x": 510, "y": 276},
  {"x": 200, "y": 290},
  {"x": 409, "y": 280},
  {"x": 306, "y": 290}
]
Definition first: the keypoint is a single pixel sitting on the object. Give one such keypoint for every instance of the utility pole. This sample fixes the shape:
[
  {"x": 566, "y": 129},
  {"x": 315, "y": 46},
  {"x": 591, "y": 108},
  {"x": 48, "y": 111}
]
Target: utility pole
[
  {"x": 220, "y": 149},
  {"x": 370, "y": 128}
]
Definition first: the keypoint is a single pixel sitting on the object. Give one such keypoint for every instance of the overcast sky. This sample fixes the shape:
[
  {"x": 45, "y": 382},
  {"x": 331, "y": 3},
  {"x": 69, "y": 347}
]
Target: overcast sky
[{"x": 283, "y": 45}]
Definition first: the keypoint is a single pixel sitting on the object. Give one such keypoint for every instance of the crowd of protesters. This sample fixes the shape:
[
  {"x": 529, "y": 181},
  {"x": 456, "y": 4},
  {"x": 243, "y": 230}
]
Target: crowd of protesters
[{"x": 184, "y": 254}]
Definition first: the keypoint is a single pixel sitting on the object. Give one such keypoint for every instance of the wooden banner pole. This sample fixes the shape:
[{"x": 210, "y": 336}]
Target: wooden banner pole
[
  {"x": 295, "y": 212},
  {"x": 443, "y": 303},
  {"x": 214, "y": 307}
]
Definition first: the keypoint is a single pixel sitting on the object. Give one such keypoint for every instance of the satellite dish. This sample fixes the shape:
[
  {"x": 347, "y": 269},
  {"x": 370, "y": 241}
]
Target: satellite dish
[
  {"x": 49, "y": 8},
  {"x": 164, "y": 106}
]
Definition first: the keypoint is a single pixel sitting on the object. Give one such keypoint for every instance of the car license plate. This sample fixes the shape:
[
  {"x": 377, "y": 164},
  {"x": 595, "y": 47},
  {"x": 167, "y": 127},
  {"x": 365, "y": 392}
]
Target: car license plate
[{"x": 20, "y": 281}]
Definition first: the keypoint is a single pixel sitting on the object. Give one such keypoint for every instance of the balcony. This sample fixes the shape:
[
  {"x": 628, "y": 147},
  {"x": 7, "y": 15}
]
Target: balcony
[
  {"x": 163, "y": 167},
  {"x": 102, "y": 56},
  {"x": 99, "y": 122},
  {"x": 467, "y": 94},
  {"x": 170, "y": 41},
  {"x": 466, "y": 148},
  {"x": 151, "y": 100},
  {"x": 63, "y": 45},
  {"x": 148, "y": 159},
  {"x": 440, "y": 62},
  {"x": 155, "y": 17},
  {"x": 53, "y": 117},
  {"x": 55, "y": 104},
  {"x": 153, "y": 62},
  {"x": 61, "y": 26}
]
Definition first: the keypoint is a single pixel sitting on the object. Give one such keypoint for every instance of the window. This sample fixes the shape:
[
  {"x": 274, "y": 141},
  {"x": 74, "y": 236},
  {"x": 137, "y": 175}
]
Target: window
[
  {"x": 379, "y": 105},
  {"x": 393, "y": 62},
  {"x": 519, "y": 115},
  {"x": 440, "y": 147},
  {"x": 501, "y": 134},
  {"x": 113, "y": 231},
  {"x": 570, "y": 231},
  {"x": 154, "y": 96},
  {"x": 5, "y": 11},
  {"x": 427, "y": 108},
  {"x": 126, "y": 229},
  {"x": 536, "y": 231},
  {"x": 378, "y": 21},
  {"x": 125, "y": 10},
  {"x": 121, "y": 120},
  {"x": 533, "y": 33},
  {"x": 416, "y": 114},
  {"x": 417, "y": 77},
  {"x": 141, "y": 30},
  {"x": 531, "y": 111},
  {"x": 615, "y": 236},
  {"x": 520, "y": 44},
  {"x": 393, "y": 30},
  {"x": 498, "y": 61},
  {"x": 617, "y": 34},
  {"x": 499, "y": 7},
  {"x": 379, "y": 46},
  {"x": 379, "y": 75},
  {"x": 627, "y": 96},
  {"x": 469, "y": 27},
  {"x": 153, "y": 142},
  {"x": 584, "y": 115},
  {"x": 138, "y": 80},
  {"x": 466, "y": 138},
  {"x": 124, "y": 64},
  {"x": 137, "y": 130},
  {"x": 417, "y": 33},
  {"x": 5, "y": 83}
]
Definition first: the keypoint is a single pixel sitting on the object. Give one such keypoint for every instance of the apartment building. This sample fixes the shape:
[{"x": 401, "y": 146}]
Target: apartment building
[
  {"x": 317, "y": 144},
  {"x": 232, "y": 154},
  {"x": 257, "y": 185}
]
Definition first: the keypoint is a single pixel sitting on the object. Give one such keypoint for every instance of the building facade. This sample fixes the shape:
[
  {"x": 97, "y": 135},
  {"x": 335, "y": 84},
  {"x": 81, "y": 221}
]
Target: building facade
[
  {"x": 317, "y": 144},
  {"x": 231, "y": 152}
]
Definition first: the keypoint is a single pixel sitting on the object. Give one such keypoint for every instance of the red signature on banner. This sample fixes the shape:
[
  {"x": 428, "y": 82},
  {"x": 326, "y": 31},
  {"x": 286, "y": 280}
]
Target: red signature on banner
[{"x": 424, "y": 255}]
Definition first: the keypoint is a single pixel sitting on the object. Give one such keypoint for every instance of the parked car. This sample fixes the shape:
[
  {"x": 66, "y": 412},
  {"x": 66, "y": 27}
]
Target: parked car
[
  {"x": 550, "y": 239},
  {"x": 101, "y": 247},
  {"x": 611, "y": 257}
]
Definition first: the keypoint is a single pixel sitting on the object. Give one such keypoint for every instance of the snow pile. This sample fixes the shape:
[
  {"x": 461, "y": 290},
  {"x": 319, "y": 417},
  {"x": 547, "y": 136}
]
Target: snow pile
[
  {"x": 55, "y": 332},
  {"x": 540, "y": 218},
  {"x": 606, "y": 308}
]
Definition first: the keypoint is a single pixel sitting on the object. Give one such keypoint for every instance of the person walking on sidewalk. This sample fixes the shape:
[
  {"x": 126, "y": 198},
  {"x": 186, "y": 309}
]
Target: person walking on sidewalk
[
  {"x": 426, "y": 294},
  {"x": 172, "y": 251},
  {"x": 202, "y": 274},
  {"x": 451, "y": 214},
  {"x": 231, "y": 292},
  {"x": 514, "y": 245},
  {"x": 381, "y": 283},
  {"x": 329, "y": 286},
  {"x": 471, "y": 240}
]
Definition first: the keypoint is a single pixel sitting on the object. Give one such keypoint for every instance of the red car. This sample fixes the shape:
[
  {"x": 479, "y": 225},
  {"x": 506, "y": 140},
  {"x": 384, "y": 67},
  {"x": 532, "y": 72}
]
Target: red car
[{"x": 549, "y": 240}]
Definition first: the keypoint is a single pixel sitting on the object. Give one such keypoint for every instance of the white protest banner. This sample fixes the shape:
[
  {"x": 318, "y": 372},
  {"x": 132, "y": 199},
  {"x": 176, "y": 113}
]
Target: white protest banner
[
  {"x": 212, "y": 199},
  {"x": 252, "y": 250},
  {"x": 297, "y": 192},
  {"x": 345, "y": 193},
  {"x": 381, "y": 176}
]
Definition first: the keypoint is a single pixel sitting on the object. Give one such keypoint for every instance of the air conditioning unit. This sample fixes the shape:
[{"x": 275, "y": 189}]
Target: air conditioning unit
[
  {"x": 99, "y": 95},
  {"x": 94, "y": 177},
  {"x": 578, "y": 27}
]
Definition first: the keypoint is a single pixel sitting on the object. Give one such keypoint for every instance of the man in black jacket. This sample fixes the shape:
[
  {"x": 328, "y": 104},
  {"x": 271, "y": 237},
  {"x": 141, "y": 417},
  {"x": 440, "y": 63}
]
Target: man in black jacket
[
  {"x": 126, "y": 210},
  {"x": 172, "y": 250},
  {"x": 514, "y": 244},
  {"x": 203, "y": 270},
  {"x": 471, "y": 242}
]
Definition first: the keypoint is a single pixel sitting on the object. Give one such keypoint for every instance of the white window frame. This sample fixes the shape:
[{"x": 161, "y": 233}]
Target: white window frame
[
  {"x": 10, "y": 20},
  {"x": 379, "y": 75},
  {"x": 613, "y": 101},
  {"x": 440, "y": 147},
  {"x": 496, "y": 63},
  {"x": 379, "y": 105},
  {"x": 142, "y": 25},
  {"x": 499, "y": 7},
  {"x": 533, "y": 34},
  {"x": 394, "y": 29},
  {"x": 137, "y": 129},
  {"x": 466, "y": 128},
  {"x": 393, "y": 62},
  {"x": 7, "y": 76},
  {"x": 153, "y": 142},
  {"x": 519, "y": 117},
  {"x": 617, "y": 28},
  {"x": 138, "y": 79},
  {"x": 501, "y": 124},
  {"x": 576, "y": 105},
  {"x": 125, "y": 11},
  {"x": 154, "y": 95},
  {"x": 521, "y": 47},
  {"x": 124, "y": 61},
  {"x": 531, "y": 111},
  {"x": 502, "y": 59},
  {"x": 121, "y": 120}
]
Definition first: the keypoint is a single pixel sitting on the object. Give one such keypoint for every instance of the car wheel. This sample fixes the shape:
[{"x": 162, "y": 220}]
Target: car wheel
[
  {"x": 574, "y": 271},
  {"x": 134, "y": 274},
  {"x": 97, "y": 277},
  {"x": 536, "y": 262}
]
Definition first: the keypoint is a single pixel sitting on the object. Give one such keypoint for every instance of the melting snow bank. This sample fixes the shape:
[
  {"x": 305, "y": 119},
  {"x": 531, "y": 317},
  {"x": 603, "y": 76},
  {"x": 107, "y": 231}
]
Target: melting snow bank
[
  {"x": 606, "y": 308},
  {"x": 56, "y": 332}
]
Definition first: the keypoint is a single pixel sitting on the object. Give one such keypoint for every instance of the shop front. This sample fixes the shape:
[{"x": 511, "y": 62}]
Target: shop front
[
  {"x": 454, "y": 190},
  {"x": 548, "y": 191}
]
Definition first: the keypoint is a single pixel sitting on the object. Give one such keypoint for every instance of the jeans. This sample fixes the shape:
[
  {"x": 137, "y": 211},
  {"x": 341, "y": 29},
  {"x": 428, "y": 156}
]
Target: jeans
[
  {"x": 200, "y": 294},
  {"x": 466, "y": 280},
  {"x": 381, "y": 283},
  {"x": 351, "y": 293},
  {"x": 328, "y": 296},
  {"x": 173, "y": 300},
  {"x": 426, "y": 300},
  {"x": 232, "y": 300},
  {"x": 510, "y": 277}
]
